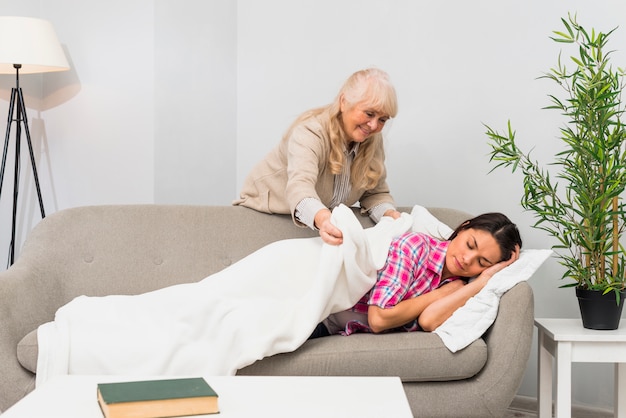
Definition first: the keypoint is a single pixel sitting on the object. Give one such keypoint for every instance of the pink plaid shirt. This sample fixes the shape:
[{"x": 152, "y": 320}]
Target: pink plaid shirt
[{"x": 414, "y": 265}]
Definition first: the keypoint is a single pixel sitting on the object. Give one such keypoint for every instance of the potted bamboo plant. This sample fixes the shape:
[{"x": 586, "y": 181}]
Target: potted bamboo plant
[{"x": 579, "y": 199}]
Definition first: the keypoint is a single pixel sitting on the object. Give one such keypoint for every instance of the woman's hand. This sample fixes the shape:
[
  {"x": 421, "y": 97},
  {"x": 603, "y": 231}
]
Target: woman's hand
[
  {"x": 329, "y": 233},
  {"x": 490, "y": 271},
  {"x": 392, "y": 213}
]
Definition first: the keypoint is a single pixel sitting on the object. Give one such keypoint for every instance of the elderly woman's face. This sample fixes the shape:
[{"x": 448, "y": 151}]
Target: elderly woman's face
[{"x": 360, "y": 122}]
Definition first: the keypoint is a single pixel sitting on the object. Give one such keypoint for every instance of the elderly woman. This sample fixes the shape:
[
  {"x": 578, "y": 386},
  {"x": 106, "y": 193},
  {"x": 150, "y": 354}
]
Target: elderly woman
[{"x": 330, "y": 155}]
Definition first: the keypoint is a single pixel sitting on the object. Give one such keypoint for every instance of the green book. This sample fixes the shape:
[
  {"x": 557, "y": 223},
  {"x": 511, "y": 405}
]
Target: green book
[{"x": 157, "y": 398}]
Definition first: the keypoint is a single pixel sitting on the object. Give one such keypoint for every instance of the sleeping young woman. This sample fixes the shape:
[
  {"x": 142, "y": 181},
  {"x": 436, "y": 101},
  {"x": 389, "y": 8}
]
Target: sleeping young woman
[{"x": 424, "y": 280}]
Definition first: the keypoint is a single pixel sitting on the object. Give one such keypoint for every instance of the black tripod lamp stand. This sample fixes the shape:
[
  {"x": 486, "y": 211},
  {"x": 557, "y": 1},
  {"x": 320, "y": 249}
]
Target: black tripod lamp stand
[{"x": 27, "y": 45}]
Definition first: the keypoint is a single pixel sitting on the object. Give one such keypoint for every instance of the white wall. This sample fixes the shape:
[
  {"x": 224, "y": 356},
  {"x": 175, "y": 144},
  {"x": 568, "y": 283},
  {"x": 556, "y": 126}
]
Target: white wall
[
  {"x": 174, "y": 101},
  {"x": 195, "y": 101}
]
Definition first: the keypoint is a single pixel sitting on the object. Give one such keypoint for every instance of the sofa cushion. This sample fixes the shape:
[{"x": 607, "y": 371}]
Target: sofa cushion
[{"x": 413, "y": 356}]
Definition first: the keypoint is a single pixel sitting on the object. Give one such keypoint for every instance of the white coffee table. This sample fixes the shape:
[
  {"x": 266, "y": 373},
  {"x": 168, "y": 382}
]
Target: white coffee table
[
  {"x": 239, "y": 396},
  {"x": 565, "y": 341}
]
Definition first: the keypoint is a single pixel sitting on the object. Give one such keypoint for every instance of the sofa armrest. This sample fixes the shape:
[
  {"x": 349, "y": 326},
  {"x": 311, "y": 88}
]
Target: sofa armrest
[
  {"x": 490, "y": 392},
  {"x": 19, "y": 315}
]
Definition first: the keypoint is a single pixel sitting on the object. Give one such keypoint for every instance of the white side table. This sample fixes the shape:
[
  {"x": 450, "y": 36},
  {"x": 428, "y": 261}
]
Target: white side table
[{"x": 566, "y": 341}]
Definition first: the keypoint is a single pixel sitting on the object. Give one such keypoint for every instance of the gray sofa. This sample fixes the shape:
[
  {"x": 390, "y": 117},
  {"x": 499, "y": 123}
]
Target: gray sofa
[{"x": 130, "y": 249}]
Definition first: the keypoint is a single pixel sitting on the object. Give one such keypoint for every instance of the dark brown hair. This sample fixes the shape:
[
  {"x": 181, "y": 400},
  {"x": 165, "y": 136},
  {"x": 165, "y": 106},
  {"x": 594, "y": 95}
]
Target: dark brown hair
[{"x": 499, "y": 226}]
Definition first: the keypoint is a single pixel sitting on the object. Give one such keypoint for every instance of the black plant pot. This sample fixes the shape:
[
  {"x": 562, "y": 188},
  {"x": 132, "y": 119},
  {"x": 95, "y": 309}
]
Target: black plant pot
[{"x": 600, "y": 311}]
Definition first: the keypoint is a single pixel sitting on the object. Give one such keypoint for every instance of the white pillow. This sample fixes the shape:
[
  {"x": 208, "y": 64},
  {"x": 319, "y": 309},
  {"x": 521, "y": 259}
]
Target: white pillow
[
  {"x": 425, "y": 222},
  {"x": 471, "y": 320}
]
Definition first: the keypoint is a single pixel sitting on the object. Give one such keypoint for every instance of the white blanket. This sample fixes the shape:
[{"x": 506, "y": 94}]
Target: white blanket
[{"x": 267, "y": 303}]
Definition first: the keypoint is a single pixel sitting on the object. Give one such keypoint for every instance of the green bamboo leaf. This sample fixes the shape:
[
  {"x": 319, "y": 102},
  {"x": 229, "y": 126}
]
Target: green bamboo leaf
[
  {"x": 563, "y": 35},
  {"x": 565, "y": 41},
  {"x": 568, "y": 27}
]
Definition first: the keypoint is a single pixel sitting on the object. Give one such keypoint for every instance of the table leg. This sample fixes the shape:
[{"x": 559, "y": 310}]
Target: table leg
[
  {"x": 563, "y": 402},
  {"x": 620, "y": 390},
  {"x": 544, "y": 377}
]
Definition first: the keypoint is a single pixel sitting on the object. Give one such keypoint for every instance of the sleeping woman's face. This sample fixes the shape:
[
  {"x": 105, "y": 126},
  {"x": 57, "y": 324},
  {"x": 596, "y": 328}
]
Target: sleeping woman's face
[{"x": 471, "y": 252}]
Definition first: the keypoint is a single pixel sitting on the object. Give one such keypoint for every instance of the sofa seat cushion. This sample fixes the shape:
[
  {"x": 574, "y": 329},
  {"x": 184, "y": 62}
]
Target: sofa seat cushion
[{"x": 414, "y": 357}]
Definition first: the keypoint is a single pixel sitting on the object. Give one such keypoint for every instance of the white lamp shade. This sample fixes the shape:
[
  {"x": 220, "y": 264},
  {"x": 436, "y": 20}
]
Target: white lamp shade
[{"x": 31, "y": 42}]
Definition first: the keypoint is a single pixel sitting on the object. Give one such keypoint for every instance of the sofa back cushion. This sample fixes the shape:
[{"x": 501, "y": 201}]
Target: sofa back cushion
[{"x": 131, "y": 249}]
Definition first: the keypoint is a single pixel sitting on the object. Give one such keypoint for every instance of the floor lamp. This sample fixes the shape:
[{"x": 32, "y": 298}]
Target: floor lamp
[{"x": 27, "y": 45}]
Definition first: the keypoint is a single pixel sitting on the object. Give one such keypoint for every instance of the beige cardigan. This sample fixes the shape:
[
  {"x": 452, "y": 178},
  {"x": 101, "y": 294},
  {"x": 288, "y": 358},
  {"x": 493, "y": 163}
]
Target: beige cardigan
[{"x": 298, "y": 168}]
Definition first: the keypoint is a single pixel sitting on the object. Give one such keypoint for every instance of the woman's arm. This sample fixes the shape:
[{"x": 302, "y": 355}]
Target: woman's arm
[
  {"x": 380, "y": 319},
  {"x": 437, "y": 312}
]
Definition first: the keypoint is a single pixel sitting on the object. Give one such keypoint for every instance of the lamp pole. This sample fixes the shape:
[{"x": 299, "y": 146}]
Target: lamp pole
[
  {"x": 33, "y": 44},
  {"x": 17, "y": 98}
]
